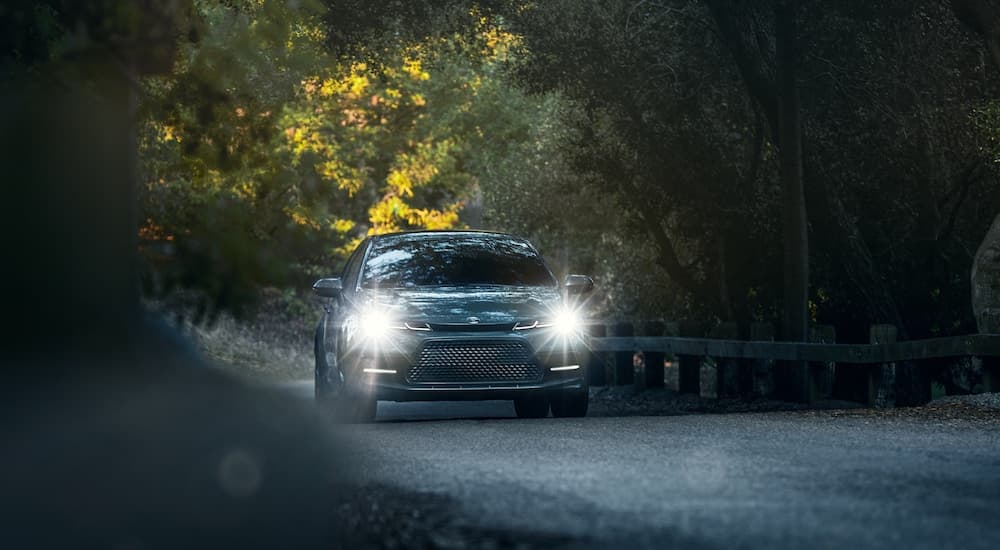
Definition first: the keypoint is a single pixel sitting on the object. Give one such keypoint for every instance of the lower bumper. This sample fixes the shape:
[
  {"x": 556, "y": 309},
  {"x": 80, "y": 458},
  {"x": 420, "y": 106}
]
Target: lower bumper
[{"x": 473, "y": 392}]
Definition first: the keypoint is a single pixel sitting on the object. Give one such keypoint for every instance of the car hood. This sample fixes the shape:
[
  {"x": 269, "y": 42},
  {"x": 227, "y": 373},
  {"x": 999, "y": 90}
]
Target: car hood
[{"x": 455, "y": 305}]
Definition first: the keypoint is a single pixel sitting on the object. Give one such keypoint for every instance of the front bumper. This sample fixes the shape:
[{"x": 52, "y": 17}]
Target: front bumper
[
  {"x": 389, "y": 363},
  {"x": 472, "y": 392}
]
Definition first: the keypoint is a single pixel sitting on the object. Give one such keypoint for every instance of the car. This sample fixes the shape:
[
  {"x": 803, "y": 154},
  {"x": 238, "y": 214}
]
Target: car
[{"x": 451, "y": 315}]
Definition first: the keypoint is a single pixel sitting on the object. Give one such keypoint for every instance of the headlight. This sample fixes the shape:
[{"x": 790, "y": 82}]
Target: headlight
[
  {"x": 566, "y": 322},
  {"x": 374, "y": 325}
]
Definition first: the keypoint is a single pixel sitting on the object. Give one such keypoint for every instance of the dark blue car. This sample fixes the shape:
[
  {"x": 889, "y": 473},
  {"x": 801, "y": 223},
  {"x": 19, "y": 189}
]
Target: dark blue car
[{"x": 450, "y": 315}]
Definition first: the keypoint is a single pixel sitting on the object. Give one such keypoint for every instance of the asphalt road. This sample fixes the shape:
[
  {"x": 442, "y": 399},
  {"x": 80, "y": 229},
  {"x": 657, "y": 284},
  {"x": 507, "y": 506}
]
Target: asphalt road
[{"x": 789, "y": 480}]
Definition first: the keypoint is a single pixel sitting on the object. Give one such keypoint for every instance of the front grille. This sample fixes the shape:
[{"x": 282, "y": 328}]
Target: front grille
[
  {"x": 474, "y": 362},
  {"x": 468, "y": 327}
]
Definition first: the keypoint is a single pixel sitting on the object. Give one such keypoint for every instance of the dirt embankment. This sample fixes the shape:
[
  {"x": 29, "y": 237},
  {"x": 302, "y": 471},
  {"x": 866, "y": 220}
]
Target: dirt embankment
[{"x": 271, "y": 342}]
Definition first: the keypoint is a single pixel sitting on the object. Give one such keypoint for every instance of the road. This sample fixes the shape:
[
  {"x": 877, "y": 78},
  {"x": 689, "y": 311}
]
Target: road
[{"x": 789, "y": 480}]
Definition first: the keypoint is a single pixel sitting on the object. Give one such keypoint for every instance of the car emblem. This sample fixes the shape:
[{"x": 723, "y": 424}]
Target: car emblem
[{"x": 473, "y": 320}]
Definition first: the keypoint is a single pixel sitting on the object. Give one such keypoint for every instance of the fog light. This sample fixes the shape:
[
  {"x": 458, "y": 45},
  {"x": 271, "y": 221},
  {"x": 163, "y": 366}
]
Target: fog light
[
  {"x": 567, "y": 367},
  {"x": 379, "y": 371}
]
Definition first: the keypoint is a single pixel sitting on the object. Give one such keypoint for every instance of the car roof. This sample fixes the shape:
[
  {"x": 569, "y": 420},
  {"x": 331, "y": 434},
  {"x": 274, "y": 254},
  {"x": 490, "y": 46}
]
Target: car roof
[{"x": 447, "y": 233}]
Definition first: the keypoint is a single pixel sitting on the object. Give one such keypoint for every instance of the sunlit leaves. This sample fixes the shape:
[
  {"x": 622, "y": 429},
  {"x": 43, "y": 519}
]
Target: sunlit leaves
[
  {"x": 292, "y": 155},
  {"x": 399, "y": 133}
]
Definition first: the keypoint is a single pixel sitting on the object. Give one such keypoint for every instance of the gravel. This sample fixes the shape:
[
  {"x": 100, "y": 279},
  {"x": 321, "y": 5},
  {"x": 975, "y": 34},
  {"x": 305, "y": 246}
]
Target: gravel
[
  {"x": 612, "y": 401},
  {"x": 379, "y": 516}
]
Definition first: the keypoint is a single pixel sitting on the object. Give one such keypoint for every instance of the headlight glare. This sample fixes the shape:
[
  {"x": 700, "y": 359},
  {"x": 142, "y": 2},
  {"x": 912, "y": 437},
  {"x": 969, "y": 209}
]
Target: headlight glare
[
  {"x": 375, "y": 325},
  {"x": 567, "y": 322}
]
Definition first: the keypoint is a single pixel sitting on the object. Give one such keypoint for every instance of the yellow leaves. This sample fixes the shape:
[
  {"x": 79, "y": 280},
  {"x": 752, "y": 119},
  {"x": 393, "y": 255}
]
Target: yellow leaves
[
  {"x": 302, "y": 139},
  {"x": 328, "y": 88},
  {"x": 169, "y": 133},
  {"x": 418, "y": 167},
  {"x": 311, "y": 33},
  {"x": 348, "y": 247},
  {"x": 356, "y": 85},
  {"x": 352, "y": 84},
  {"x": 400, "y": 182},
  {"x": 341, "y": 225},
  {"x": 429, "y": 218},
  {"x": 347, "y": 178},
  {"x": 499, "y": 43},
  {"x": 368, "y": 132},
  {"x": 391, "y": 214},
  {"x": 299, "y": 217},
  {"x": 385, "y": 215},
  {"x": 414, "y": 68},
  {"x": 246, "y": 190}
]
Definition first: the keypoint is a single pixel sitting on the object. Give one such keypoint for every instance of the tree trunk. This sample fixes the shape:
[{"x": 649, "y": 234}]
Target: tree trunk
[
  {"x": 796, "y": 240},
  {"x": 744, "y": 29}
]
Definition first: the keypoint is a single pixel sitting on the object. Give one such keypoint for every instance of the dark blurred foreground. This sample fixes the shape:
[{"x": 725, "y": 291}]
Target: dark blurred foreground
[
  {"x": 154, "y": 449},
  {"x": 116, "y": 434}
]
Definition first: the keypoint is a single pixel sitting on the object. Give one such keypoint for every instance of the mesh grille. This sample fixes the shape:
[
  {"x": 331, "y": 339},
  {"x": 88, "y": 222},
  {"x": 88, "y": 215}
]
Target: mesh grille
[{"x": 474, "y": 362}]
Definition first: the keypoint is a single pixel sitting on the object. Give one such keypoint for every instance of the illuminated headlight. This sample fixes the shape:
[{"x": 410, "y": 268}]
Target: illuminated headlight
[
  {"x": 567, "y": 322},
  {"x": 375, "y": 325}
]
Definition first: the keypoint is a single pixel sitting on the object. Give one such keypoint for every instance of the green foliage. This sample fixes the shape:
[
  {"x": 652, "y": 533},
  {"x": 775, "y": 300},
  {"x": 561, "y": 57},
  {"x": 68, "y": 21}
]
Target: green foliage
[
  {"x": 265, "y": 160},
  {"x": 212, "y": 191}
]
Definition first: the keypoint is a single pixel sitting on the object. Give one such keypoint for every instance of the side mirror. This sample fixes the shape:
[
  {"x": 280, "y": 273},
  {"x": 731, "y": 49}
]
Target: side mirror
[
  {"x": 578, "y": 284},
  {"x": 328, "y": 288}
]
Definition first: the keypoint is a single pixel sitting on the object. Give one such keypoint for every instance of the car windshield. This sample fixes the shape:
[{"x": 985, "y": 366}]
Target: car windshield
[{"x": 453, "y": 260}]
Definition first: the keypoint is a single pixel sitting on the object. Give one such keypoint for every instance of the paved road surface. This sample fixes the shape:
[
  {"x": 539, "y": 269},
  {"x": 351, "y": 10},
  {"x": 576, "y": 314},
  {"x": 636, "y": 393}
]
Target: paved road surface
[{"x": 789, "y": 480}]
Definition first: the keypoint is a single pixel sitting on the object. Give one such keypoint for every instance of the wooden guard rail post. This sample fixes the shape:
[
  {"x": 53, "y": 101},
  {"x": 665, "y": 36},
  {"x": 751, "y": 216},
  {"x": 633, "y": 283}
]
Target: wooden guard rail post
[
  {"x": 688, "y": 364},
  {"x": 881, "y": 378},
  {"x": 821, "y": 373},
  {"x": 762, "y": 369},
  {"x": 991, "y": 374},
  {"x": 623, "y": 366},
  {"x": 726, "y": 368},
  {"x": 652, "y": 361},
  {"x": 594, "y": 358}
]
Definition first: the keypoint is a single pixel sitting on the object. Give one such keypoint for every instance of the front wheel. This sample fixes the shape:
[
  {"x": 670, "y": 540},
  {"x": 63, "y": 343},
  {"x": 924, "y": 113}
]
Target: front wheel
[
  {"x": 335, "y": 395},
  {"x": 535, "y": 406},
  {"x": 349, "y": 405},
  {"x": 570, "y": 404},
  {"x": 356, "y": 408}
]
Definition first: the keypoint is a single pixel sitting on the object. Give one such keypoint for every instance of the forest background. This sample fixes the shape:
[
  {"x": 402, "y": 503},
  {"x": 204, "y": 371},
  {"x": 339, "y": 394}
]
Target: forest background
[{"x": 656, "y": 145}]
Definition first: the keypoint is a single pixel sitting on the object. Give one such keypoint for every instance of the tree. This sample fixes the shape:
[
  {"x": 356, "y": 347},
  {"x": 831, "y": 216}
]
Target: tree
[
  {"x": 265, "y": 164},
  {"x": 683, "y": 167},
  {"x": 886, "y": 132}
]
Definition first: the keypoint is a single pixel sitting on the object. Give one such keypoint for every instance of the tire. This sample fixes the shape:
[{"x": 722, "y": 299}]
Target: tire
[
  {"x": 535, "y": 406},
  {"x": 334, "y": 394},
  {"x": 351, "y": 406},
  {"x": 359, "y": 409},
  {"x": 570, "y": 404}
]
